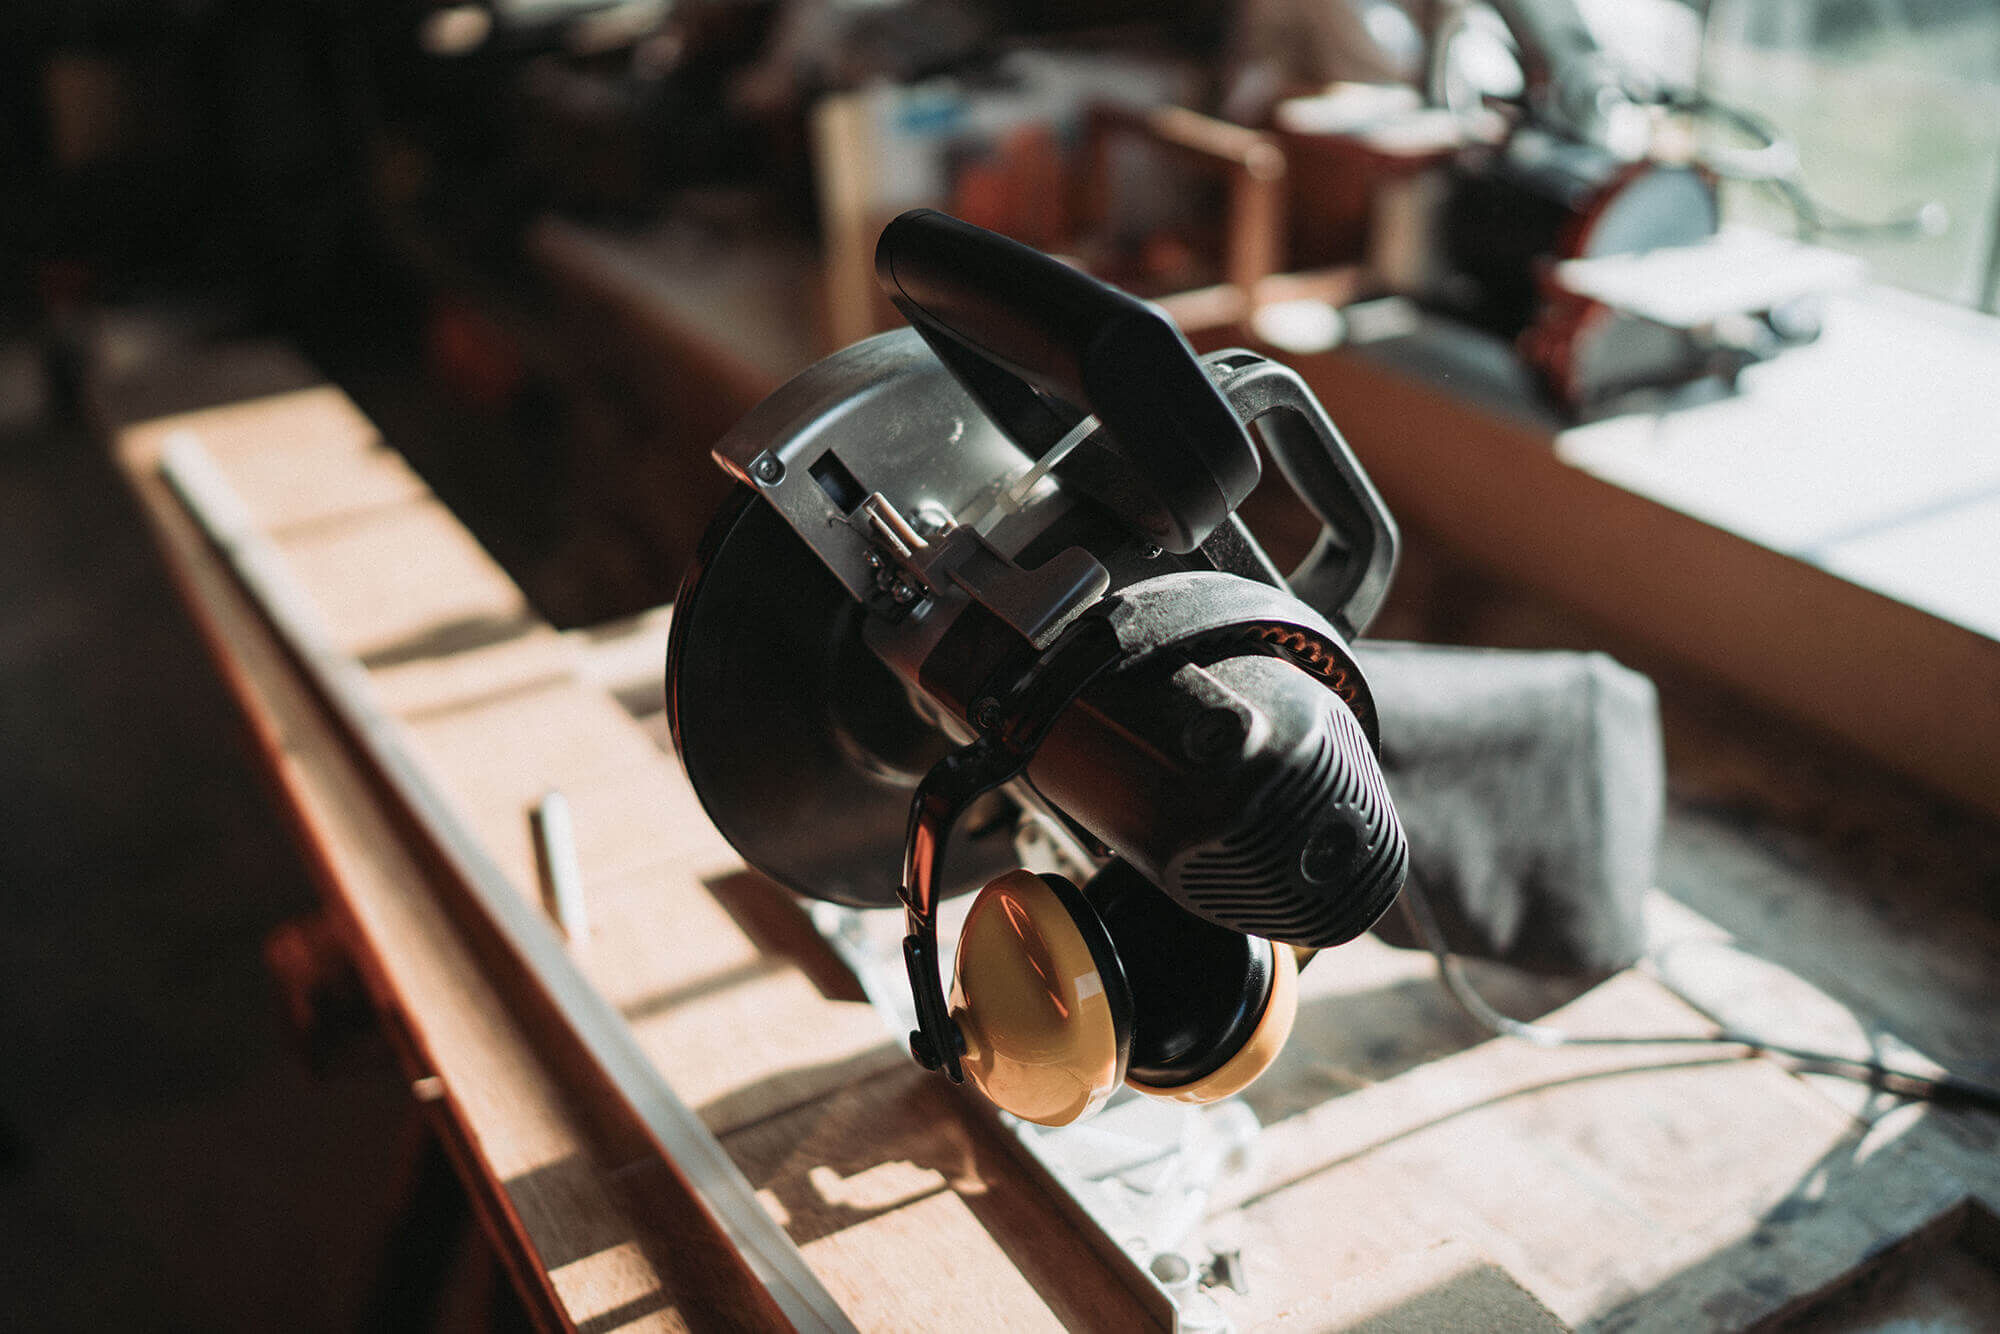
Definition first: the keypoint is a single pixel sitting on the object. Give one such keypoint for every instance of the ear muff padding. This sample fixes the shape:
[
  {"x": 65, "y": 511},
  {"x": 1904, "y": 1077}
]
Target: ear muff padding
[
  {"x": 1200, "y": 992},
  {"x": 1041, "y": 999},
  {"x": 1258, "y": 1051}
]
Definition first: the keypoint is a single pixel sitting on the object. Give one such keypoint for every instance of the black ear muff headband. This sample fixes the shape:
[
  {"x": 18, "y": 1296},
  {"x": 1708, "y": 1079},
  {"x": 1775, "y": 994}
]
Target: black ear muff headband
[{"x": 1003, "y": 749}]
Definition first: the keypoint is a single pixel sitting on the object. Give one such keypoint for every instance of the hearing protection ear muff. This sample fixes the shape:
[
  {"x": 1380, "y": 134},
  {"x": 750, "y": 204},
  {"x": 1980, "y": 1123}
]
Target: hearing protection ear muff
[
  {"x": 1061, "y": 994},
  {"x": 1040, "y": 997}
]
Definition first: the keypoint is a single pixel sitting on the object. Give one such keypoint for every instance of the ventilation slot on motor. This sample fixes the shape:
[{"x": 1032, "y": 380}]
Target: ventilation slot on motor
[{"x": 1323, "y": 858}]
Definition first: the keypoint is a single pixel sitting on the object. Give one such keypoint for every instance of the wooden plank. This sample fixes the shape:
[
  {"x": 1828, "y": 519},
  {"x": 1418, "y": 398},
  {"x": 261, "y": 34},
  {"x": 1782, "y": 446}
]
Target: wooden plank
[
  {"x": 896, "y": 1162},
  {"x": 659, "y": 939},
  {"x": 1446, "y": 1287},
  {"x": 625, "y": 820},
  {"x": 520, "y": 941},
  {"x": 1369, "y": 1012},
  {"x": 740, "y": 1042},
  {"x": 1855, "y": 974},
  {"x": 321, "y": 480},
  {"x": 405, "y": 582},
  {"x": 504, "y": 753},
  {"x": 422, "y": 688},
  {"x": 764, "y": 1044},
  {"x": 627, "y": 657},
  {"x": 1948, "y": 1280},
  {"x": 1576, "y": 1169},
  {"x": 319, "y": 420},
  {"x": 936, "y": 1250},
  {"x": 1608, "y": 1224},
  {"x": 549, "y": 1194}
]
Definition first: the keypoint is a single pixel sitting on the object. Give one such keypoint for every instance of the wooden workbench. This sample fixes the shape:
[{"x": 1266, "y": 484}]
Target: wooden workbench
[{"x": 1411, "y": 1176}]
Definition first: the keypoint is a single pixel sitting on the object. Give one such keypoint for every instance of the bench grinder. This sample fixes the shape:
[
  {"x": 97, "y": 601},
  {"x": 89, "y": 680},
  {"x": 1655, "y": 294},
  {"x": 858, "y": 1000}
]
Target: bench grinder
[{"x": 982, "y": 589}]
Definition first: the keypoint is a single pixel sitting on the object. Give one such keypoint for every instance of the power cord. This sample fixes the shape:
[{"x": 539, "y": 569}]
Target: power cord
[{"x": 1946, "y": 1090}]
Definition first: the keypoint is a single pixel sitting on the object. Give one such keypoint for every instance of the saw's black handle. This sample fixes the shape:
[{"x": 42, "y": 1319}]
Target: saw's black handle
[{"x": 1040, "y": 345}]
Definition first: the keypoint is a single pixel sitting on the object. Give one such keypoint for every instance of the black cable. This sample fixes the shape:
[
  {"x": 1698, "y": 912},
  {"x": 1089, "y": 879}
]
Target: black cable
[{"x": 1945, "y": 1089}]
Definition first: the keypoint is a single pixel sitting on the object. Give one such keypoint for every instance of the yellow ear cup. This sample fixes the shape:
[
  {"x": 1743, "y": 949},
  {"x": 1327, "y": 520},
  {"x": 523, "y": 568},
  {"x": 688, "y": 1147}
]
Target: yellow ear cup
[
  {"x": 1040, "y": 1008},
  {"x": 1254, "y": 1057}
]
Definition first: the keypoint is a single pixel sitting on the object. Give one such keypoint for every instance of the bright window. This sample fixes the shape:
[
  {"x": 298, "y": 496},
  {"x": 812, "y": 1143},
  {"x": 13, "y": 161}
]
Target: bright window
[{"x": 1892, "y": 104}]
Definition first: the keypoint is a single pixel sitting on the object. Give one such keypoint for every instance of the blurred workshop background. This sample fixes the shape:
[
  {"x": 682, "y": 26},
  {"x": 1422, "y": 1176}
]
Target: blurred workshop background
[{"x": 554, "y": 248}]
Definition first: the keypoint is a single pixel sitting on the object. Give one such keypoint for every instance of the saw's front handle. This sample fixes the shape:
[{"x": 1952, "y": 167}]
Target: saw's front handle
[
  {"x": 1040, "y": 345},
  {"x": 1346, "y": 575}
]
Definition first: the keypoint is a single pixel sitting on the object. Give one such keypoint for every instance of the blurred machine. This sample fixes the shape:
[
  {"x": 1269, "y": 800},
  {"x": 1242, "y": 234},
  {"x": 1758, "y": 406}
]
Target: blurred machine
[
  {"x": 1590, "y": 179},
  {"x": 1553, "y": 195},
  {"x": 985, "y": 575}
]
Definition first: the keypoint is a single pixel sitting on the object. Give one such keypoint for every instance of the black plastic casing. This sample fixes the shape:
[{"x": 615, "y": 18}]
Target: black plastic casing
[{"x": 1241, "y": 785}]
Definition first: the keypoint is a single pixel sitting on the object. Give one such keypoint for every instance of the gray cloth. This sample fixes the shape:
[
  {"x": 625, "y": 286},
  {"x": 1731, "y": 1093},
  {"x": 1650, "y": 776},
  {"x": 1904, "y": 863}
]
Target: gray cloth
[{"x": 1532, "y": 787}]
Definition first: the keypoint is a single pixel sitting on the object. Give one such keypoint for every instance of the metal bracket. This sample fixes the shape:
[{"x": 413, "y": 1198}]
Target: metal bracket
[{"x": 914, "y": 560}]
